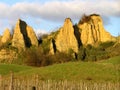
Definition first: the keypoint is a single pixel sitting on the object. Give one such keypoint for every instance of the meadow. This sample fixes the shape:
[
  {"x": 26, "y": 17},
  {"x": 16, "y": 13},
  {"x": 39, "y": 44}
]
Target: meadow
[
  {"x": 105, "y": 70},
  {"x": 100, "y": 75}
]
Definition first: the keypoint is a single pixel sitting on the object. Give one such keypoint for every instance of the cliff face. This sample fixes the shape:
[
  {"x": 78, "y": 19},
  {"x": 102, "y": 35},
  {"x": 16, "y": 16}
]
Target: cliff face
[
  {"x": 18, "y": 37},
  {"x": 92, "y": 30},
  {"x": 66, "y": 39},
  {"x": 24, "y": 35},
  {"x": 32, "y": 36}
]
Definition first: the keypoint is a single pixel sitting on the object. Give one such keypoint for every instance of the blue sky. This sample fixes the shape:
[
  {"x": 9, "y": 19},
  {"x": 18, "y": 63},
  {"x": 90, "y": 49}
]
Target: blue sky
[{"x": 48, "y": 15}]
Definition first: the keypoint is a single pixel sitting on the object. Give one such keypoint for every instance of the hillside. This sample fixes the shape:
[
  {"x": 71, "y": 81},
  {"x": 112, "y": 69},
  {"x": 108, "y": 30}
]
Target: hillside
[{"x": 108, "y": 70}]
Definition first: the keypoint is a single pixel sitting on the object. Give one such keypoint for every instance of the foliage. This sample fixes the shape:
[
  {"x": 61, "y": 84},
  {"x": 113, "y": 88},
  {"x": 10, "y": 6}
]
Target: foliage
[
  {"x": 106, "y": 44},
  {"x": 103, "y": 51},
  {"x": 114, "y": 50},
  {"x": 96, "y": 53},
  {"x": 82, "y": 53},
  {"x": 91, "y": 53},
  {"x": 84, "y": 19},
  {"x": 45, "y": 45},
  {"x": 60, "y": 57},
  {"x": 36, "y": 57},
  {"x": 33, "y": 57}
]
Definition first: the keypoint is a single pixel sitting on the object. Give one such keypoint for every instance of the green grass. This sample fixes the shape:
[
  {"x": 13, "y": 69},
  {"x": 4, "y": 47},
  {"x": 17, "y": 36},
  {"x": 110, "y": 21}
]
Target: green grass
[
  {"x": 106, "y": 70},
  {"x": 114, "y": 60},
  {"x": 7, "y": 68}
]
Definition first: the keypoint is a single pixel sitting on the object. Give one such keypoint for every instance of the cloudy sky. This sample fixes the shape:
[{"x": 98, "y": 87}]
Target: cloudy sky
[{"x": 48, "y": 15}]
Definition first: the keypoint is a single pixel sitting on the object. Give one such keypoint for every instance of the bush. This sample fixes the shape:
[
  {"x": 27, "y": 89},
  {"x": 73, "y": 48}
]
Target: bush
[
  {"x": 60, "y": 57},
  {"x": 90, "y": 53},
  {"x": 45, "y": 46},
  {"x": 84, "y": 19},
  {"x": 114, "y": 50},
  {"x": 82, "y": 53},
  {"x": 106, "y": 44},
  {"x": 37, "y": 57}
]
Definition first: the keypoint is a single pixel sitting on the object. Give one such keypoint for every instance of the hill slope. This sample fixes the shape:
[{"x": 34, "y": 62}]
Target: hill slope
[{"x": 108, "y": 70}]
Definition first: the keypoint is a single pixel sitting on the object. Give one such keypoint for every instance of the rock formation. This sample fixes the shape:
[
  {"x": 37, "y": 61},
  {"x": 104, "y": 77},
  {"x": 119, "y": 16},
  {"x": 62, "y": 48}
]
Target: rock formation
[
  {"x": 23, "y": 36},
  {"x": 66, "y": 39},
  {"x": 52, "y": 46},
  {"x": 6, "y": 36},
  {"x": 32, "y": 36},
  {"x": 18, "y": 36},
  {"x": 92, "y": 30}
]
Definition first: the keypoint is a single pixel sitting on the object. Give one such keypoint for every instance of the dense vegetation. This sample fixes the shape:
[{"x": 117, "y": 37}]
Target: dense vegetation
[
  {"x": 41, "y": 57},
  {"x": 103, "y": 51}
]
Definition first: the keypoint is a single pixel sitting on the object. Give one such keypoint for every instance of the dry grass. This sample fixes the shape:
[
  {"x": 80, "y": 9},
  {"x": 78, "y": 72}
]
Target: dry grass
[{"x": 13, "y": 83}]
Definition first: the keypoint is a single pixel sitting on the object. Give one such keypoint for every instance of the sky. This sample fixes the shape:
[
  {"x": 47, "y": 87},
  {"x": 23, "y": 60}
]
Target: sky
[{"x": 49, "y": 15}]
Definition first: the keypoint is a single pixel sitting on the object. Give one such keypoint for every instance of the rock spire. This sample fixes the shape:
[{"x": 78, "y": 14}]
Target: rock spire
[
  {"x": 6, "y": 36},
  {"x": 24, "y": 35},
  {"x": 66, "y": 39}
]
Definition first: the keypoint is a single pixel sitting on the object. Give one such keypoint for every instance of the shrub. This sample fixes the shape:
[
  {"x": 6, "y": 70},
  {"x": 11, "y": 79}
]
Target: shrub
[
  {"x": 45, "y": 46},
  {"x": 114, "y": 50},
  {"x": 60, "y": 57},
  {"x": 37, "y": 57},
  {"x": 34, "y": 57},
  {"x": 106, "y": 44},
  {"x": 91, "y": 53},
  {"x": 82, "y": 53},
  {"x": 84, "y": 19}
]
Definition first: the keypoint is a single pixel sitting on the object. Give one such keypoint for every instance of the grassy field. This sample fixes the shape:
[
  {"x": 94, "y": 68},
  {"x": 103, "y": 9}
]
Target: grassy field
[
  {"x": 7, "y": 68},
  {"x": 106, "y": 70}
]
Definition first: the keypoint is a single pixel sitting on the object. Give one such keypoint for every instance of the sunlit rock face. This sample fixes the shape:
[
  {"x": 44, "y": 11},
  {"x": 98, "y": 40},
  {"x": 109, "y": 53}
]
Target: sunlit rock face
[
  {"x": 24, "y": 35},
  {"x": 66, "y": 39},
  {"x": 6, "y": 36},
  {"x": 92, "y": 30},
  {"x": 32, "y": 36}
]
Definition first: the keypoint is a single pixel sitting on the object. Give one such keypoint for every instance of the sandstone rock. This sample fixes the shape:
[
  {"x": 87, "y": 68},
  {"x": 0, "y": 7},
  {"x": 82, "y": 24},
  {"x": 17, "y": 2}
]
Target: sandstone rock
[
  {"x": 92, "y": 30},
  {"x": 52, "y": 46},
  {"x": 18, "y": 36},
  {"x": 66, "y": 39},
  {"x": 24, "y": 35},
  {"x": 32, "y": 36},
  {"x": 6, "y": 36}
]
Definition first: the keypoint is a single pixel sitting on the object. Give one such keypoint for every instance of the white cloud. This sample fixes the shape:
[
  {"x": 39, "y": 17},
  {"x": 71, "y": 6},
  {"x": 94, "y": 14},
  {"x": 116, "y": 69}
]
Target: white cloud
[
  {"x": 57, "y": 10},
  {"x": 40, "y": 31}
]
